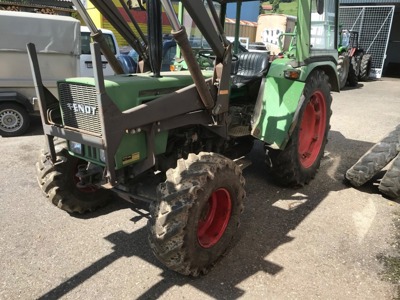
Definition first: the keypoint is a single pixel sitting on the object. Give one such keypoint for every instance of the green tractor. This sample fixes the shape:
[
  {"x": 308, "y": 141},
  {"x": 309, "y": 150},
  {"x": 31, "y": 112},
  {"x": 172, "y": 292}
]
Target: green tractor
[
  {"x": 176, "y": 141},
  {"x": 354, "y": 64}
]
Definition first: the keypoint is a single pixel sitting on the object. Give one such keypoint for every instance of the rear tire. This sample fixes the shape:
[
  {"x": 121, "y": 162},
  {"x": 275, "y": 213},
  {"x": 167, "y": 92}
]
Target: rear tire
[
  {"x": 298, "y": 163},
  {"x": 14, "y": 120},
  {"x": 343, "y": 69},
  {"x": 365, "y": 67},
  {"x": 58, "y": 183},
  {"x": 195, "y": 220},
  {"x": 352, "y": 79}
]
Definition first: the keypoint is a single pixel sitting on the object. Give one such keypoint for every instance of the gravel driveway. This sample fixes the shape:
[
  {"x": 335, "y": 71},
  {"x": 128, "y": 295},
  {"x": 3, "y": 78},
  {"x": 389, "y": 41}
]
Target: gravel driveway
[{"x": 318, "y": 242}]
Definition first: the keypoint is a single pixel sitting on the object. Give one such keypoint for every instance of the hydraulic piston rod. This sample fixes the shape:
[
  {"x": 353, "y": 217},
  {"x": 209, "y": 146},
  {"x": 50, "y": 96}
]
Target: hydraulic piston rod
[{"x": 181, "y": 38}]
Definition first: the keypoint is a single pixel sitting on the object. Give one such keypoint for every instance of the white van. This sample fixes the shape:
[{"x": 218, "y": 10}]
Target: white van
[{"x": 86, "y": 64}]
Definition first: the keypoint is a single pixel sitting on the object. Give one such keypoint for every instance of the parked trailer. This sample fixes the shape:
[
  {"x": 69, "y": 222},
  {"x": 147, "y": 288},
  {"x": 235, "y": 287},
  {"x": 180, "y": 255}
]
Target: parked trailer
[
  {"x": 57, "y": 39},
  {"x": 63, "y": 50}
]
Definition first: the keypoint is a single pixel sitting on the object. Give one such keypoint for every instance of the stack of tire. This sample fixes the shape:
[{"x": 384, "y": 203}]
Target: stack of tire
[{"x": 385, "y": 153}]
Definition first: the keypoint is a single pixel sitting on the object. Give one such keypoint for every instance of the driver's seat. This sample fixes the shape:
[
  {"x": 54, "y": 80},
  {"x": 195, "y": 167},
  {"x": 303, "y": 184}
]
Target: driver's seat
[{"x": 249, "y": 67}]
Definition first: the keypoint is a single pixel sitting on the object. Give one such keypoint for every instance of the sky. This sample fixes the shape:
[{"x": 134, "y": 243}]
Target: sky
[{"x": 250, "y": 11}]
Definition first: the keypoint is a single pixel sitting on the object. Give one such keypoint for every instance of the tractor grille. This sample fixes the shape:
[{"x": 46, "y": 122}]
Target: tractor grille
[{"x": 79, "y": 107}]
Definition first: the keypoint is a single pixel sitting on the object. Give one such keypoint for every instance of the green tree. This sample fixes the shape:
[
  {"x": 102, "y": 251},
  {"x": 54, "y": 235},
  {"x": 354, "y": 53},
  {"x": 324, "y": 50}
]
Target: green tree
[{"x": 275, "y": 5}]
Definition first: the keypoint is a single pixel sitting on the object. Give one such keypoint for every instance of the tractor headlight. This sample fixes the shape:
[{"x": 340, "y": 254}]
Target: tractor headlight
[
  {"x": 292, "y": 74},
  {"x": 75, "y": 147},
  {"x": 102, "y": 154}
]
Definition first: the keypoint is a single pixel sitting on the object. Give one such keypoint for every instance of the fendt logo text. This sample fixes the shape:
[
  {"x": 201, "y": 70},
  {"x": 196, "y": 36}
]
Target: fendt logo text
[{"x": 86, "y": 109}]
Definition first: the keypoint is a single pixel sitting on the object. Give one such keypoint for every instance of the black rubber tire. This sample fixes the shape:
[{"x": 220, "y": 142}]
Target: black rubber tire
[
  {"x": 286, "y": 165},
  {"x": 343, "y": 66},
  {"x": 183, "y": 197},
  {"x": 18, "y": 119},
  {"x": 354, "y": 69},
  {"x": 365, "y": 67},
  {"x": 58, "y": 183},
  {"x": 390, "y": 183},
  {"x": 375, "y": 159}
]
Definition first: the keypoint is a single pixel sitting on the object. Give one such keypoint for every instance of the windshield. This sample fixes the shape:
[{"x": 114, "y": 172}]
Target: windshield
[{"x": 323, "y": 26}]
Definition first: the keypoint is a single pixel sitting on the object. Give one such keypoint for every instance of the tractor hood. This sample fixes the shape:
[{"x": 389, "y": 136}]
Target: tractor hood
[{"x": 130, "y": 90}]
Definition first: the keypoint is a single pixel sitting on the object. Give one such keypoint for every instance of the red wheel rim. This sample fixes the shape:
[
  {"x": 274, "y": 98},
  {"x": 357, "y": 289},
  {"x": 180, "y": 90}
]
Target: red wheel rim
[
  {"x": 214, "y": 218},
  {"x": 312, "y": 129}
]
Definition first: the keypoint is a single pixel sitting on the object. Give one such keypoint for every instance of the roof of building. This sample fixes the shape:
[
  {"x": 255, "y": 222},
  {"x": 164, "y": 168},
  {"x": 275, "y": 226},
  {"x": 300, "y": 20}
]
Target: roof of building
[
  {"x": 54, "y": 3},
  {"x": 242, "y": 22},
  {"x": 358, "y": 2},
  {"x": 267, "y": 6},
  {"x": 63, "y": 7}
]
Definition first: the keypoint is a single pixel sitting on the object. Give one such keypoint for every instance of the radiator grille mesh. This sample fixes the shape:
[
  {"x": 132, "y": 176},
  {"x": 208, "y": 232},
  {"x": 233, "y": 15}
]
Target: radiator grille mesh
[{"x": 79, "y": 107}]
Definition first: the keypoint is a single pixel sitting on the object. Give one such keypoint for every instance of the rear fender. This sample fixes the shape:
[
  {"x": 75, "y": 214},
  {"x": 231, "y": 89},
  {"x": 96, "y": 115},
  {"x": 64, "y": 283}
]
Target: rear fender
[
  {"x": 276, "y": 104},
  {"x": 18, "y": 98},
  {"x": 280, "y": 101}
]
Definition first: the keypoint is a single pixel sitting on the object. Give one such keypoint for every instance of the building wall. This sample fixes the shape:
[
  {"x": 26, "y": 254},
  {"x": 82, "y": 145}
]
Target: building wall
[
  {"x": 246, "y": 31},
  {"x": 392, "y": 63},
  {"x": 270, "y": 27}
]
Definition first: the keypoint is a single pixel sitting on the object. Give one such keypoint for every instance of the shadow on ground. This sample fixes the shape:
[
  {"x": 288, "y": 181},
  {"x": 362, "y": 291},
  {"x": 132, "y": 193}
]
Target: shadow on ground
[{"x": 271, "y": 213}]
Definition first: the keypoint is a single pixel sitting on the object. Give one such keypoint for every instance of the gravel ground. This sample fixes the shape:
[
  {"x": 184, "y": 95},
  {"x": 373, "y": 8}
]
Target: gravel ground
[{"x": 318, "y": 242}]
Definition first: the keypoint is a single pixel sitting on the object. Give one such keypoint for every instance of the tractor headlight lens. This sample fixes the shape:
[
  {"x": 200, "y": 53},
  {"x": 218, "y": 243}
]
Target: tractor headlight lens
[
  {"x": 102, "y": 154},
  {"x": 75, "y": 147},
  {"x": 292, "y": 74}
]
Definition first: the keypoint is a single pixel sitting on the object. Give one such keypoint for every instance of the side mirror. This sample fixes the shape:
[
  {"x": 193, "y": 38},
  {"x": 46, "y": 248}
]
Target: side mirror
[{"x": 320, "y": 6}]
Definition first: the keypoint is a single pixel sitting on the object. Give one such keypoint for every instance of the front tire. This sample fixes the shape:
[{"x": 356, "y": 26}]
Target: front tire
[
  {"x": 14, "y": 120},
  {"x": 58, "y": 183},
  {"x": 298, "y": 163},
  {"x": 197, "y": 216}
]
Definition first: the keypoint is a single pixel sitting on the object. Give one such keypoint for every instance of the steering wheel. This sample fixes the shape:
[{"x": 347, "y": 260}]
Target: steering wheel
[{"x": 209, "y": 54}]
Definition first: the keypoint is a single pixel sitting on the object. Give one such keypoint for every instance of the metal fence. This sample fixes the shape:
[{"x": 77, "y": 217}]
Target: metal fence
[{"x": 373, "y": 24}]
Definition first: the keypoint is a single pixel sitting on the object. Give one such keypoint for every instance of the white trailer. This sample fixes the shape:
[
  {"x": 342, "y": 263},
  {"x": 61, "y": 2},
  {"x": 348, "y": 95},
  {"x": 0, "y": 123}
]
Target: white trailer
[{"x": 57, "y": 40}]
